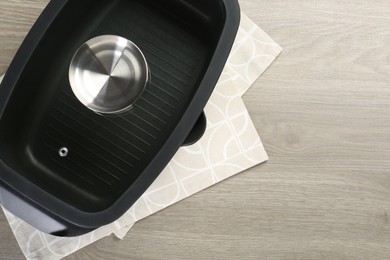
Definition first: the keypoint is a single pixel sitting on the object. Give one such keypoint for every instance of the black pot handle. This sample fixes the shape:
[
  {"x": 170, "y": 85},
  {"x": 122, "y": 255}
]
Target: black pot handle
[{"x": 197, "y": 131}]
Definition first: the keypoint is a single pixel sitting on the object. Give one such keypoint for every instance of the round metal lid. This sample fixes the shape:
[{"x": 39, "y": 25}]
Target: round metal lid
[{"x": 108, "y": 74}]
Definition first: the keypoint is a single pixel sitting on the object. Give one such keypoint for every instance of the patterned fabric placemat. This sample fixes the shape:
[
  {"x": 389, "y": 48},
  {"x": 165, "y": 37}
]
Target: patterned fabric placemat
[{"x": 229, "y": 146}]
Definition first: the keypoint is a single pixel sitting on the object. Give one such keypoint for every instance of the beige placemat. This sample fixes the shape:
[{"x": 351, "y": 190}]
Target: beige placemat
[{"x": 229, "y": 146}]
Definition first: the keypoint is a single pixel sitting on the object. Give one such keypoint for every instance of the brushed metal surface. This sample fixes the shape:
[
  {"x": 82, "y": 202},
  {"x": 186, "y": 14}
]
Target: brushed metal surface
[{"x": 108, "y": 74}]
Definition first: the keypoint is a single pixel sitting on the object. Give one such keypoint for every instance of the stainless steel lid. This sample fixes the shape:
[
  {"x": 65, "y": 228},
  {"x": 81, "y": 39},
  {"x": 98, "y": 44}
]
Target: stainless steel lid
[{"x": 108, "y": 74}]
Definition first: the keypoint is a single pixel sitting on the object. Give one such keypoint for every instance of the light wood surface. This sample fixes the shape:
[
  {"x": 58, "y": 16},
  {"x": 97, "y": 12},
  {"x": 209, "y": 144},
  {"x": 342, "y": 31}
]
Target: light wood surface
[{"x": 323, "y": 112}]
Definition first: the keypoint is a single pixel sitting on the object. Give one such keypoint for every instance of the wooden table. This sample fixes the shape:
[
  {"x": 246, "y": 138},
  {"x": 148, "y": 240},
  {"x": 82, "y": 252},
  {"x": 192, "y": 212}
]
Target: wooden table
[{"x": 323, "y": 112}]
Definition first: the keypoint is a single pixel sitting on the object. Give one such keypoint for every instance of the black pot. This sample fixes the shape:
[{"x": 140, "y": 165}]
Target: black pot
[{"x": 67, "y": 170}]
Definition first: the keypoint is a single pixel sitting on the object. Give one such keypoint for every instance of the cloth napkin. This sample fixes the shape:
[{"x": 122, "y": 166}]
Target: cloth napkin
[{"x": 229, "y": 146}]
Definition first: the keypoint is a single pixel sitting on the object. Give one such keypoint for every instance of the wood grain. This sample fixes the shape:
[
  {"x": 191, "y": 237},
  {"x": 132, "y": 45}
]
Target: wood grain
[{"x": 323, "y": 112}]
